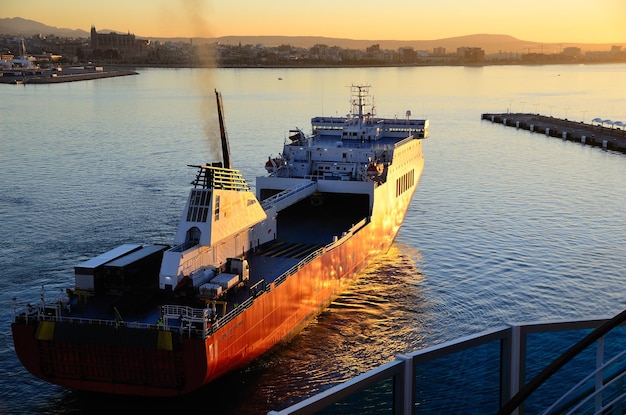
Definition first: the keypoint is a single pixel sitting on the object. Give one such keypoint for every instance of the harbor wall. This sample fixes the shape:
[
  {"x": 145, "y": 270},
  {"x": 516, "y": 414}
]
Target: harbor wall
[
  {"x": 608, "y": 138},
  {"x": 48, "y": 76}
]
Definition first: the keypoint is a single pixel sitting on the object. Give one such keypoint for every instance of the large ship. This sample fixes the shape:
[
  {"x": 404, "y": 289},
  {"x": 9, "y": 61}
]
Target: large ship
[{"x": 245, "y": 271}]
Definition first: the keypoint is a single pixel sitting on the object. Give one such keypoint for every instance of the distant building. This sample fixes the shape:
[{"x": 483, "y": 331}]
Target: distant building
[
  {"x": 407, "y": 54},
  {"x": 439, "y": 51},
  {"x": 572, "y": 51},
  {"x": 471, "y": 54},
  {"x": 124, "y": 44}
]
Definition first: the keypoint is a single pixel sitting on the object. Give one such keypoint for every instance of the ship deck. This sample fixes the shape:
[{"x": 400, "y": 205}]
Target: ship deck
[{"x": 297, "y": 240}]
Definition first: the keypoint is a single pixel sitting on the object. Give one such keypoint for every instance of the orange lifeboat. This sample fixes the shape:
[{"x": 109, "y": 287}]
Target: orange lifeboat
[
  {"x": 375, "y": 169},
  {"x": 272, "y": 164}
]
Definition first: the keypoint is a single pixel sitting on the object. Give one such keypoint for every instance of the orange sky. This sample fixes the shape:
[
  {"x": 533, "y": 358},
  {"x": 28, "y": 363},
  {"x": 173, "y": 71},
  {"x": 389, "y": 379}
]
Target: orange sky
[{"x": 575, "y": 21}]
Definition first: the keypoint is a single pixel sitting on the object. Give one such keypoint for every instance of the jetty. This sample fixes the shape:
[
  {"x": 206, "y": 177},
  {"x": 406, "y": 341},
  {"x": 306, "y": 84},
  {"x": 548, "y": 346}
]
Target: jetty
[
  {"x": 594, "y": 134},
  {"x": 59, "y": 74}
]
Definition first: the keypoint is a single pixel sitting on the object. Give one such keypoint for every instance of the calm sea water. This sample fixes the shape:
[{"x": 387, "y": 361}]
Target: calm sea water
[{"x": 506, "y": 225}]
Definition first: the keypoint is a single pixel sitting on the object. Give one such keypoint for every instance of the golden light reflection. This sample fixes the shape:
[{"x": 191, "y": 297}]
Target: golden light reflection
[{"x": 379, "y": 316}]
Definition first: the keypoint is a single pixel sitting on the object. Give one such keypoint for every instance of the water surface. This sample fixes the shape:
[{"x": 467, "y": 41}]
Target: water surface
[{"x": 506, "y": 225}]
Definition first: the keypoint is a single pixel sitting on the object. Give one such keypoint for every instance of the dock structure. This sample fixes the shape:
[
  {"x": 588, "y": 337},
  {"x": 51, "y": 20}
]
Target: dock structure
[
  {"x": 56, "y": 75},
  {"x": 609, "y": 138}
]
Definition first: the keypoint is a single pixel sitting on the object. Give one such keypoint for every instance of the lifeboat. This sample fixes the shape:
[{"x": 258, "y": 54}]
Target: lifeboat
[
  {"x": 272, "y": 164},
  {"x": 295, "y": 135},
  {"x": 375, "y": 169}
]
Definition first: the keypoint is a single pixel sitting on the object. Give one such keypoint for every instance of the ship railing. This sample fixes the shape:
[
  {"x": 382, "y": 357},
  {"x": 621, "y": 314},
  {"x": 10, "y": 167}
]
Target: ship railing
[
  {"x": 194, "y": 322},
  {"x": 336, "y": 242},
  {"x": 59, "y": 311},
  {"x": 184, "y": 246},
  {"x": 258, "y": 288},
  {"x": 417, "y": 128},
  {"x": 272, "y": 200},
  {"x": 255, "y": 291},
  {"x": 44, "y": 310},
  {"x": 200, "y": 322},
  {"x": 578, "y": 367},
  {"x": 574, "y": 396},
  {"x": 45, "y": 315},
  {"x": 233, "y": 313},
  {"x": 262, "y": 287},
  {"x": 181, "y": 311},
  {"x": 299, "y": 265},
  {"x": 404, "y": 141}
]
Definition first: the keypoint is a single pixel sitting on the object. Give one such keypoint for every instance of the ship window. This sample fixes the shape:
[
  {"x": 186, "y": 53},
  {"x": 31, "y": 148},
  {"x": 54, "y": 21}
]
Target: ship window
[
  {"x": 405, "y": 182},
  {"x": 217, "y": 208},
  {"x": 199, "y": 202}
]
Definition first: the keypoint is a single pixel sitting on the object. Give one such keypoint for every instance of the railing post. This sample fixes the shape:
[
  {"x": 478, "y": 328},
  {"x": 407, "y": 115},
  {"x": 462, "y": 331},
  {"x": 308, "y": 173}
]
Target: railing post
[
  {"x": 405, "y": 387},
  {"x": 515, "y": 362},
  {"x": 600, "y": 373}
]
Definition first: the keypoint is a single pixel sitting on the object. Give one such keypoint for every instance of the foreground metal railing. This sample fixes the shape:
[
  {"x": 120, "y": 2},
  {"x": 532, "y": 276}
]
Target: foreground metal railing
[
  {"x": 490, "y": 373},
  {"x": 582, "y": 395},
  {"x": 597, "y": 335}
]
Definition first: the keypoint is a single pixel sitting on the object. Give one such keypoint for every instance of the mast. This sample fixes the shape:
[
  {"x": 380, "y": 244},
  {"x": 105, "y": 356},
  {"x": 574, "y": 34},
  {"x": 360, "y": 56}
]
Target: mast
[
  {"x": 360, "y": 95},
  {"x": 224, "y": 137}
]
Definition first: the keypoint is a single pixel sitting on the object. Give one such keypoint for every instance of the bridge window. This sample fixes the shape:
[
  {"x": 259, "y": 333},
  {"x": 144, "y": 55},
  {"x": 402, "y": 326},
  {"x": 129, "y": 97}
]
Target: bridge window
[{"x": 199, "y": 202}]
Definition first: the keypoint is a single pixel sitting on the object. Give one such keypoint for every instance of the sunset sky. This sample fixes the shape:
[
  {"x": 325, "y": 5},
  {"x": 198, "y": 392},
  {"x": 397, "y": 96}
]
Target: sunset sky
[{"x": 584, "y": 21}]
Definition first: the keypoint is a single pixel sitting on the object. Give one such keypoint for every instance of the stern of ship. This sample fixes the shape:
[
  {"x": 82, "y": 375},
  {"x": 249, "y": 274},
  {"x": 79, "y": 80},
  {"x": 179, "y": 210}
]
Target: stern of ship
[{"x": 114, "y": 359}]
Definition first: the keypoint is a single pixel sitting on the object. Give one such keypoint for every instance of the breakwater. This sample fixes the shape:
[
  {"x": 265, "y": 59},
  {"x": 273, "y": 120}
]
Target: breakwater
[
  {"x": 608, "y": 138},
  {"x": 59, "y": 75}
]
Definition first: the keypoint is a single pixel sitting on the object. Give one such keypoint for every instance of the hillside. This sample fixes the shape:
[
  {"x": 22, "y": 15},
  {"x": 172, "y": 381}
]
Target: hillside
[
  {"x": 491, "y": 43},
  {"x": 25, "y": 27}
]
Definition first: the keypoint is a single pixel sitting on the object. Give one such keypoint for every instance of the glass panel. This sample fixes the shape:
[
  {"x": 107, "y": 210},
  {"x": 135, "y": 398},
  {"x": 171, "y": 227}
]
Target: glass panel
[
  {"x": 467, "y": 381},
  {"x": 374, "y": 400},
  {"x": 543, "y": 348},
  {"x": 615, "y": 372}
]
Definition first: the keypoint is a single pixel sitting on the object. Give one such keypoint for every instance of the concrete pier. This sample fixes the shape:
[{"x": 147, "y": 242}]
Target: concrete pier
[
  {"x": 55, "y": 76},
  {"x": 595, "y": 135}
]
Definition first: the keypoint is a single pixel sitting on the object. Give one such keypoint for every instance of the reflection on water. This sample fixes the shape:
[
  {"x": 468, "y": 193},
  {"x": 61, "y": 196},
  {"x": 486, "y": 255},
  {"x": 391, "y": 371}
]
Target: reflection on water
[{"x": 380, "y": 316}]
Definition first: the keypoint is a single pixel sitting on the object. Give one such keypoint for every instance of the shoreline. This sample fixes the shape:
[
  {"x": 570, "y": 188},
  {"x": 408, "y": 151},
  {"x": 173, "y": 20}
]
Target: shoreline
[
  {"x": 359, "y": 65},
  {"x": 79, "y": 73}
]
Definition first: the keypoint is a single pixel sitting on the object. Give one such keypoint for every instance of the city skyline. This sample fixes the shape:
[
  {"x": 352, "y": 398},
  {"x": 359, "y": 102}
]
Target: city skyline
[{"x": 601, "y": 21}]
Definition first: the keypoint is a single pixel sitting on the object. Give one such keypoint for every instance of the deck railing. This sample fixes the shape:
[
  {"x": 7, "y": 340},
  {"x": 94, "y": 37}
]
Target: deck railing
[
  {"x": 179, "y": 318},
  {"x": 482, "y": 372}
]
